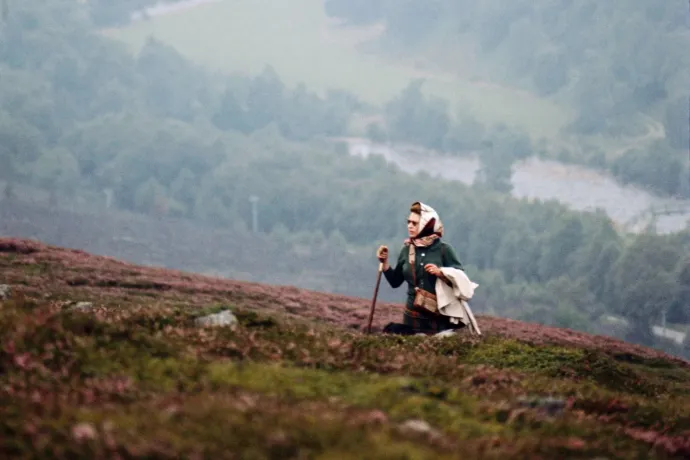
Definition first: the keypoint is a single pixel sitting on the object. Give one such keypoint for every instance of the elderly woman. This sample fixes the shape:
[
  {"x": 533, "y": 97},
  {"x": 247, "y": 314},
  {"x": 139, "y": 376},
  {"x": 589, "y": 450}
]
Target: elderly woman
[{"x": 418, "y": 263}]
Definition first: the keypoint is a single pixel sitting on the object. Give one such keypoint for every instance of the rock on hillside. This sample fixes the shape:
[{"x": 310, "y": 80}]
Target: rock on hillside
[{"x": 291, "y": 374}]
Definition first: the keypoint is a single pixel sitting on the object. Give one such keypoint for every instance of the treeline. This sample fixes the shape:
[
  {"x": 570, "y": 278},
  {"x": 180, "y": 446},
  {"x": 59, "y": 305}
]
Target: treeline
[
  {"x": 66, "y": 88},
  {"x": 549, "y": 46},
  {"x": 615, "y": 63},
  {"x": 82, "y": 115}
]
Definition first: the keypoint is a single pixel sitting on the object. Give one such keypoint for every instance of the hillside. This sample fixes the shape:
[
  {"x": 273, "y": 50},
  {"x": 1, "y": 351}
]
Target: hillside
[
  {"x": 130, "y": 375},
  {"x": 175, "y": 243}
]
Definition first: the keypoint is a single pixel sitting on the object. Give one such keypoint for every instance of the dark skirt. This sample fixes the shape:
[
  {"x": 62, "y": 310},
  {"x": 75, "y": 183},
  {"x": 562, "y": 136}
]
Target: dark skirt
[
  {"x": 423, "y": 320},
  {"x": 420, "y": 320}
]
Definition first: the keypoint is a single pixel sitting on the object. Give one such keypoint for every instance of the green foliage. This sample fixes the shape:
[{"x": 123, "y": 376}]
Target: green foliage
[
  {"x": 414, "y": 119},
  {"x": 676, "y": 120},
  {"x": 563, "y": 239},
  {"x": 466, "y": 135},
  {"x": 679, "y": 312},
  {"x": 148, "y": 195},
  {"x": 20, "y": 143},
  {"x": 496, "y": 169},
  {"x": 376, "y": 133},
  {"x": 658, "y": 168},
  {"x": 57, "y": 169},
  {"x": 644, "y": 283},
  {"x": 550, "y": 73},
  {"x": 618, "y": 66}
]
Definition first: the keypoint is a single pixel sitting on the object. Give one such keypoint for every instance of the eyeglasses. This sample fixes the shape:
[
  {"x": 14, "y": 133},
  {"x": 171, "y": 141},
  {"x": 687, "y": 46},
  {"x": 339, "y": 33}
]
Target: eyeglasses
[{"x": 412, "y": 222}]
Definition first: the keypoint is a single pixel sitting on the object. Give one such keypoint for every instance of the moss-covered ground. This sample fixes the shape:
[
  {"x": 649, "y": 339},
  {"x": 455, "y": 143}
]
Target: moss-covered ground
[{"x": 134, "y": 377}]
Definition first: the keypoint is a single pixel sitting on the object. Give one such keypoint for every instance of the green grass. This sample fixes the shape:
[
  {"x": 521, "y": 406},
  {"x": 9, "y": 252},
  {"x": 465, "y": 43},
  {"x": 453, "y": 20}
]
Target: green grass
[
  {"x": 142, "y": 381},
  {"x": 293, "y": 37}
]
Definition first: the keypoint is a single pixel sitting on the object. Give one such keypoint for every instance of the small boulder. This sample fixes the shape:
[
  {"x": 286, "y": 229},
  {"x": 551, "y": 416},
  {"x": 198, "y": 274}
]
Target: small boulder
[
  {"x": 551, "y": 406},
  {"x": 419, "y": 427},
  {"x": 5, "y": 291},
  {"x": 446, "y": 333},
  {"x": 223, "y": 319},
  {"x": 82, "y": 306},
  {"x": 84, "y": 432}
]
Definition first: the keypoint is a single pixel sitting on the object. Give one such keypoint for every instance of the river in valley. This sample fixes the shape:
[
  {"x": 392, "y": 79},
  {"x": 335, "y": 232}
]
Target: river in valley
[{"x": 578, "y": 187}]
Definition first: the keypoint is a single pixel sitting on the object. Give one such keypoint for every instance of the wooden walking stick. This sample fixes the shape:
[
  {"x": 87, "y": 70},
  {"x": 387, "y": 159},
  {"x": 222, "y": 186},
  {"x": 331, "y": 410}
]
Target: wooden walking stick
[{"x": 376, "y": 293}]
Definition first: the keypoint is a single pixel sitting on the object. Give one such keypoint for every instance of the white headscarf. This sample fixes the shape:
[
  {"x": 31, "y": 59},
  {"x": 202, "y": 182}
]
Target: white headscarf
[{"x": 430, "y": 226}]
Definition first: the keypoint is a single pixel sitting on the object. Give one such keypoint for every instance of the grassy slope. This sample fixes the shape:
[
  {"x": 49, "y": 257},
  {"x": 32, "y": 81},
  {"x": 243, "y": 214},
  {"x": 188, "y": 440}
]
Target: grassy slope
[
  {"x": 296, "y": 38},
  {"x": 134, "y": 377}
]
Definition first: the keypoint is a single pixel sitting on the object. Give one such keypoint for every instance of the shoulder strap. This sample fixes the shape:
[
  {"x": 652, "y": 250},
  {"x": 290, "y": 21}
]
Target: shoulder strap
[{"x": 411, "y": 260}]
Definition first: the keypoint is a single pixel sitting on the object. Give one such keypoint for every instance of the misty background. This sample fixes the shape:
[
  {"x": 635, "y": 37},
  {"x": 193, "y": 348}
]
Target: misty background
[{"x": 282, "y": 142}]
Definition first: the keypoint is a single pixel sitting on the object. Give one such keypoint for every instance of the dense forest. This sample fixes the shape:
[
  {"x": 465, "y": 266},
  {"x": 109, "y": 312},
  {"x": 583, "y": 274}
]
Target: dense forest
[
  {"x": 622, "y": 66},
  {"x": 632, "y": 91},
  {"x": 80, "y": 116}
]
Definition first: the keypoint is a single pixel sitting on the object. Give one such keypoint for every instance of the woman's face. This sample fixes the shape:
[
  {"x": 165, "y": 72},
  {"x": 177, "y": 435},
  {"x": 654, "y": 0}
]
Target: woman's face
[{"x": 413, "y": 224}]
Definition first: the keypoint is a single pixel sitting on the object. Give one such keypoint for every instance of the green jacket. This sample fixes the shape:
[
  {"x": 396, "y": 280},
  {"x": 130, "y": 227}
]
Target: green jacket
[{"x": 400, "y": 272}]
